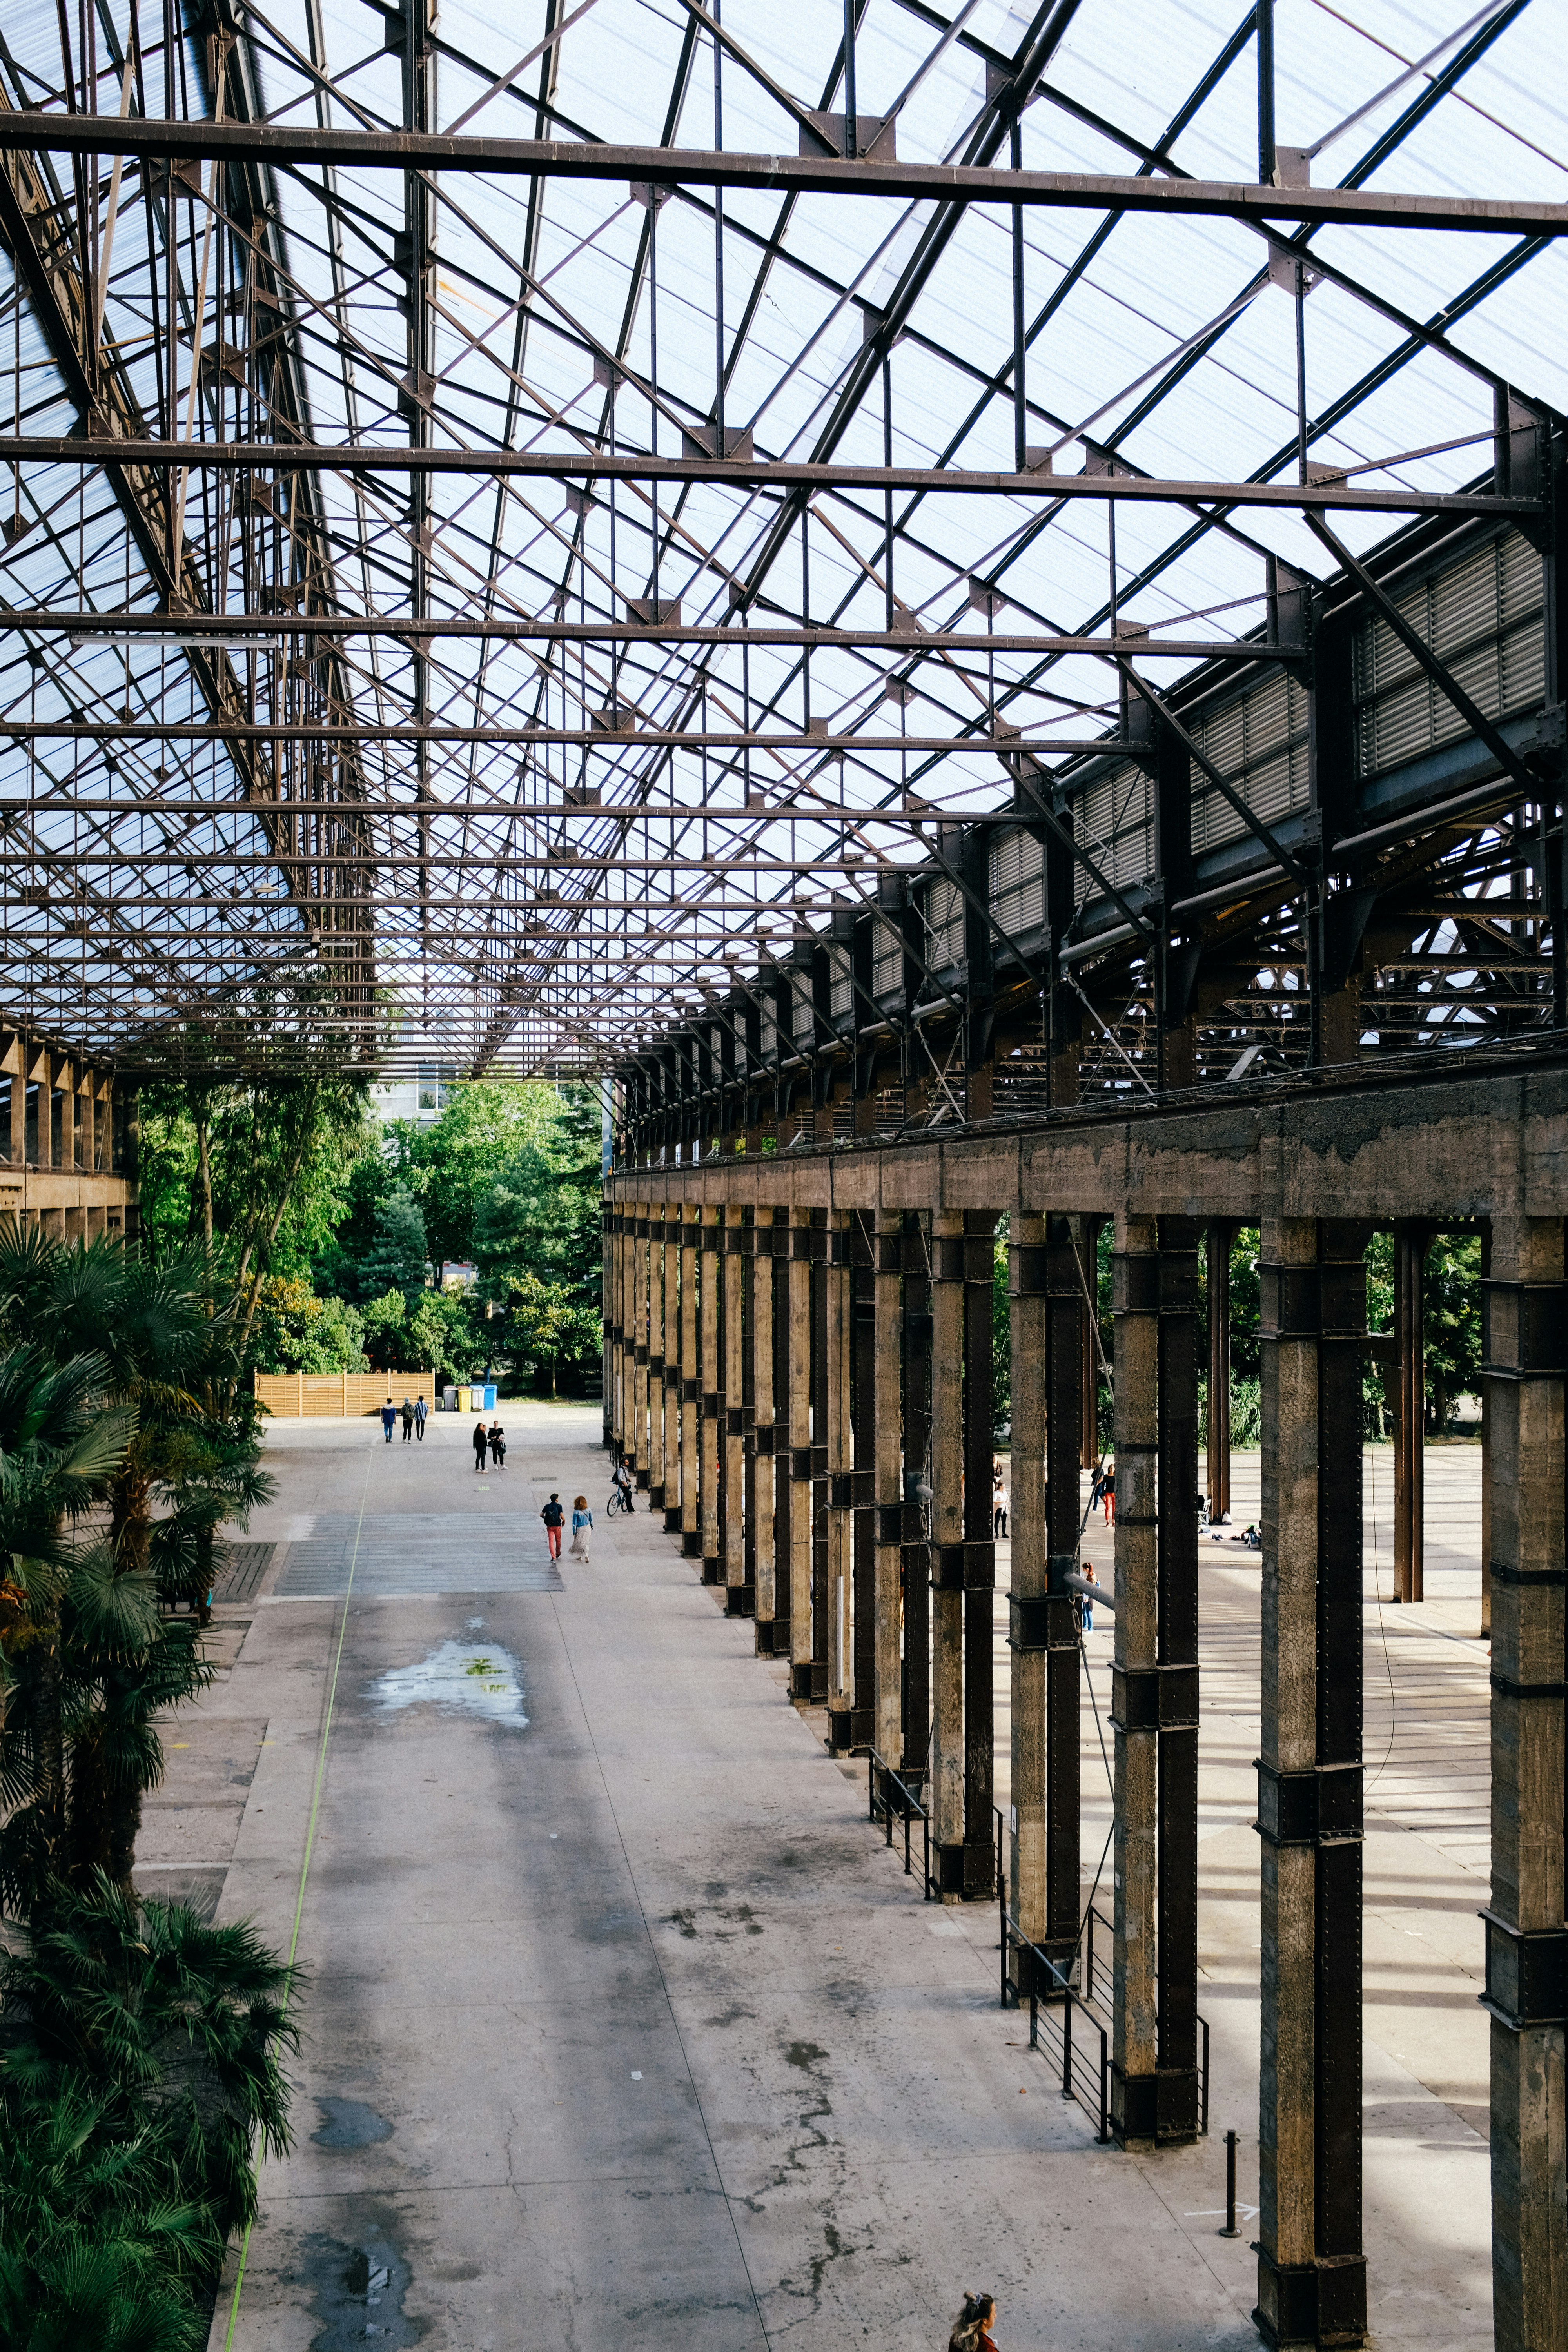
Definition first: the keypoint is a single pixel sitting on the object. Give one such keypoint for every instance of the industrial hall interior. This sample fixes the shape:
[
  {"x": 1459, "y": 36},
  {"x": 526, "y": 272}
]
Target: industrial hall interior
[{"x": 784, "y": 1175}]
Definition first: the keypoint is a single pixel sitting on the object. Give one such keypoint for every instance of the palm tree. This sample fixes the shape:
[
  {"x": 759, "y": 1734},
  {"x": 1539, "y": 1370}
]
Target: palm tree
[{"x": 60, "y": 1448}]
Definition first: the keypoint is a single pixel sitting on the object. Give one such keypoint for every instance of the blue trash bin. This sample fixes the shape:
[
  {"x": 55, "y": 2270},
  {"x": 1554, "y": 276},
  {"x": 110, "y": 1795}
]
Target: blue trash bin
[{"x": 490, "y": 1402}]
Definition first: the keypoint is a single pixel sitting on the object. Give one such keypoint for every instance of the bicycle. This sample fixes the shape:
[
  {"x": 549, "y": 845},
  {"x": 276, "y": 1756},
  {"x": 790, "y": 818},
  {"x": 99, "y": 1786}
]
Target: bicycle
[{"x": 620, "y": 1500}]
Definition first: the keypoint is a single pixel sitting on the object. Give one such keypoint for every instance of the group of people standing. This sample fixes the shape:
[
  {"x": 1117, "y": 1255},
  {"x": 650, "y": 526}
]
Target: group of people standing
[
  {"x": 493, "y": 1440},
  {"x": 414, "y": 1417}
]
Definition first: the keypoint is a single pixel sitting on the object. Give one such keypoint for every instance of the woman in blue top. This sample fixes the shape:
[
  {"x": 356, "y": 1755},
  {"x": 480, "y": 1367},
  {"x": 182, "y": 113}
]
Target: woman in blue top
[{"x": 582, "y": 1527}]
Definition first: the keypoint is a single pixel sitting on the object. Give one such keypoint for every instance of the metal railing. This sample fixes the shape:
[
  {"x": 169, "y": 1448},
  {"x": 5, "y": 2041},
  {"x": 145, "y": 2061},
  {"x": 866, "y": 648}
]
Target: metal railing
[{"x": 886, "y": 1790}]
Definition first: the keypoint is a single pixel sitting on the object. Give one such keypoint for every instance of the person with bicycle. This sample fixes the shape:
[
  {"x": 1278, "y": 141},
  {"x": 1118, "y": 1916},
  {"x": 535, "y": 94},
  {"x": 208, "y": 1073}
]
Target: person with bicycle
[{"x": 621, "y": 1485}]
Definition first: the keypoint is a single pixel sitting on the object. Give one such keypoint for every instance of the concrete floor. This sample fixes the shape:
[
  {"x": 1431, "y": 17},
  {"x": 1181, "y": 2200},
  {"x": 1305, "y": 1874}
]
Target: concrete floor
[{"x": 623, "y": 2029}]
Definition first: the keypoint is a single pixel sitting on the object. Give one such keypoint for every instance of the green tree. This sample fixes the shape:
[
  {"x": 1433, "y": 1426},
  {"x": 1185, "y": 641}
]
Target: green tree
[
  {"x": 296, "y": 1331},
  {"x": 452, "y": 1165},
  {"x": 386, "y": 1319},
  {"x": 543, "y": 1318},
  {"x": 442, "y": 1333},
  {"x": 396, "y": 1256}
]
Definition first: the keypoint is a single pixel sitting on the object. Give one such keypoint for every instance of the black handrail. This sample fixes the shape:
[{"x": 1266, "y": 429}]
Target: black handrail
[{"x": 910, "y": 1807}]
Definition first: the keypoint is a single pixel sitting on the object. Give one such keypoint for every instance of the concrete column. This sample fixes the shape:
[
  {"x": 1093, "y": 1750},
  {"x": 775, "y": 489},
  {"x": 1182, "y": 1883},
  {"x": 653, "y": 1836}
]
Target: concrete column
[
  {"x": 1410, "y": 1414},
  {"x": 740, "y": 1590},
  {"x": 1064, "y": 1423},
  {"x": 642, "y": 1279},
  {"x": 915, "y": 1253},
  {"x": 1527, "y": 1946},
  {"x": 887, "y": 1711},
  {"x": 839, "y": 1437},
  {"x": 979, "y": 1560},
  {"x": 821, "y": 1491},
  {"x": 630, "y": 1212},
  {"x": 664, "y": 1323},
  {"x": 1485, "y": 1458},
  {"x": 1135, "y": 2054},
  {"x": 946, "y": 1798},
  {"x": 1089, "y": 1259},
  {"x": 863, "y": 1479},
  {"x": 1175, "y": 1688},
  {"x": 798, "y": 1286},
  {"x": 760, "y": 1348},
  {"x": 1311, "y": 2273},
  {"x": 613, "y": 1421},
  {"x": 709, "y": 1309},
  {"x": 689, "y": 1392},
  {"x": 1218, "y": 1463},
  {"x": 1029, "y": 1337}
]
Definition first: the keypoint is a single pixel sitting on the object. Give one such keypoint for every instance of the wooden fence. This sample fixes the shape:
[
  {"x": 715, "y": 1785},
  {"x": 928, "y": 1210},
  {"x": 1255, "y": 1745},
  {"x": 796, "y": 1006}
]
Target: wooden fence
[{"x": 339, "y": 1396}]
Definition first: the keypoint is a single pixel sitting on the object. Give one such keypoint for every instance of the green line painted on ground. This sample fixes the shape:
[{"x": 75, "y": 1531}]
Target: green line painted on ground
[{"x": 309, "y": 1849}]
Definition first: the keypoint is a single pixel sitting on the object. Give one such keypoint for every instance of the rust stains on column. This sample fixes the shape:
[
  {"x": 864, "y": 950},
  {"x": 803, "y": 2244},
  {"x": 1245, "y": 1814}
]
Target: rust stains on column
[
  {"x": 887, "y": 1711},
  {"x": 1174, "y": 1689},
  {"x": 1029, "y": 1338},
  {"x": 710, "y": 1279},
  {"x": 799, "y": 1515},
  {"x": 663, "y": 1275},
  {"x": 691, "y": 1391},
  {"x": 1064, "y": 1416},
  {"x": 838, "y": 1378}
]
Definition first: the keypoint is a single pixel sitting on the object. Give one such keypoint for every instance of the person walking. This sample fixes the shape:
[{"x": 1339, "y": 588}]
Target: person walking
[
  {"x": 407, "y": 1423},
  {"x": 421, "y": 1413},
  {"x": 998, "y": 1500},
  {"x": 1111, "y": 1492},
  {"x": 388, "y": 1420},
  {"x": 582, "y": 1527},
  {"x": 481, "y": 1442},
  {"x": 498, "y": 1445},
  {"x": 554, "y": 1520},
  {"x": 973, "y": 2330},
  {"x": 1085, "y": 1600}
]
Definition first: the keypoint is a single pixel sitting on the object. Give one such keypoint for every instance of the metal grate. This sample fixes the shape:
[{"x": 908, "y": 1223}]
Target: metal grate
[
  {"x": 243, "y": 1567},
  {"x": 1260, "y": 744},
  {"x": 1115, "y": 819},
  {"x": 1482, "y": 619},
  {"x": 1018, "y": 882}
]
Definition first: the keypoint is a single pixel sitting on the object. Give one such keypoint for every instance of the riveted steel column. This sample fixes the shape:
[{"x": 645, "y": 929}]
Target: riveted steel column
[
  {"x": 740, "y": 1590},
  {"x": 798, "y": 1520},
  {"x": 916, "y": 1565},
  {"x": 838, "y": 1434},
  {"x": 1030, "y": 1342},
  {"x": 665, "y": 1392},
  {"x": 662, "y": 1285},
  {"x": 1176, "y": 1548},
  {"x": 1524, "y": 1351},
  {"x": 1136, "y": 1304},
  {"x": 947, "y": 1758},
  {"x": 979, "y": 1559},
  {"x": 710, "y": 1280},
  {"x": 1218, "y": 1463},
  {"x": 1312, "y": 2273},
  {"x": 690, "y": 1387},
  {"x": 1089, "y": 1259},
  {"x": 886, "y": 1704}
]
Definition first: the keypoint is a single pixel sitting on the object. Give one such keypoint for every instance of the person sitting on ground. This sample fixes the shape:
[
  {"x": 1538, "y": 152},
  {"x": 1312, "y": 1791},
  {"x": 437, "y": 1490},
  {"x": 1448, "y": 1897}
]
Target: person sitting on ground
[
  {"x": 481, "y": 1443},
  {"x": 498, "y": 1445},
  {"x": 973, "y": 2332}
]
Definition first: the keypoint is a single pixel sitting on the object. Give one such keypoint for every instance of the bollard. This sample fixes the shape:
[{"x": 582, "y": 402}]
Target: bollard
[{"x": 1230, "y": 2230}]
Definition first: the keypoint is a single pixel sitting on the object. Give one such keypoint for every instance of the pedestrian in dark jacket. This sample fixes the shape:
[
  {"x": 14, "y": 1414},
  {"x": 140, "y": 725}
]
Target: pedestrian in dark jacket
[
  {"x": 481, "y": 1444},
  {"x": 554, "y": 1520},
  {"x": 388, "y": 1420},
  {"x": 421, "y": 1412},
  {"x": 407, "y": 1423},
  {"x": 498, "y": 1445}
]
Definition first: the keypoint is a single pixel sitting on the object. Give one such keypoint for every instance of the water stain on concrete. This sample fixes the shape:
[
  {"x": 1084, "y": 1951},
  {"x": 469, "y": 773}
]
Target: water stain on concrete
[
  {"x": 347, "y": 2123},
  {"x": 460, "y": 1678},
  {"x": 358, "y": 2292},
  {"x": 805, "y": 2054}
]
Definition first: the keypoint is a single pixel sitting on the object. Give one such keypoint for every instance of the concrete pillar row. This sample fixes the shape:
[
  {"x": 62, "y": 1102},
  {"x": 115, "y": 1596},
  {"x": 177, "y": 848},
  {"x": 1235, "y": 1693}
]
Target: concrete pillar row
[
  {"x": 689, "y": 1398},
  {"x": 759, "y": 1430},
  {"x": 659, "y": 1287},
  {"x": 1311, "y": 2272},
  {"x": 1526, "y": 1305},
  {"x": 739, "y": 1589}
]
